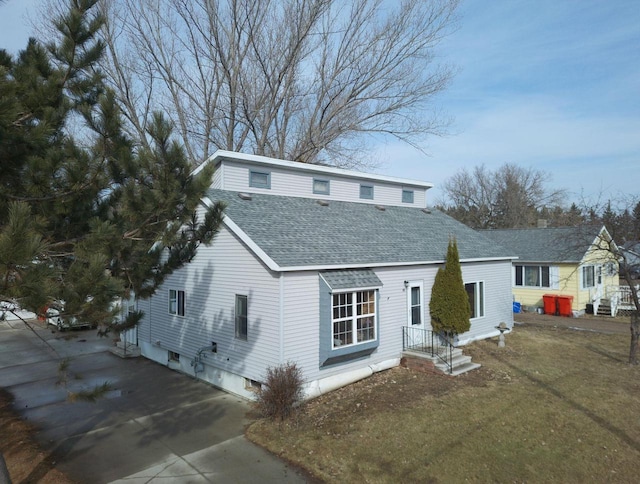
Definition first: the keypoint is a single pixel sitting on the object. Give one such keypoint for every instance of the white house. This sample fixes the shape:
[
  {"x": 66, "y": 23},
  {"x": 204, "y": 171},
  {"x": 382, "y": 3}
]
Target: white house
[{"x": 314, "y": 265}]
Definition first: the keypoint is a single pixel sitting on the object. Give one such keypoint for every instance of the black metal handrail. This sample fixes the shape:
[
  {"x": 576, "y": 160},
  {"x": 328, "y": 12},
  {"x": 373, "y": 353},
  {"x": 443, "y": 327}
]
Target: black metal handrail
[{"x": 438, "y": 345}]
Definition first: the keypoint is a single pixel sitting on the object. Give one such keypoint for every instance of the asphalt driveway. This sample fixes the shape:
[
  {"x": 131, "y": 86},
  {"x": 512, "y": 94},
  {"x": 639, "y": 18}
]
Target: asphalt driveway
[{"x": 153, "y": 425}]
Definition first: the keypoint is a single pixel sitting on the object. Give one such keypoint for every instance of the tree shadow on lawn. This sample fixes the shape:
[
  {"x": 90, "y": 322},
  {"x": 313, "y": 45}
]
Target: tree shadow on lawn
[{"x": 603, "y": 423}]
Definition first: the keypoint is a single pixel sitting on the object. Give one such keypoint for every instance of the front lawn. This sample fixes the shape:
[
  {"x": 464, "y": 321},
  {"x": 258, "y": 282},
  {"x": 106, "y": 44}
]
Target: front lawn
[{"x": 553, "y": 406}]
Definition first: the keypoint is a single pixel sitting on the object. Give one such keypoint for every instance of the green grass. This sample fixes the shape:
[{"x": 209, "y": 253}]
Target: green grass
[{"x": 553, "y": 406}]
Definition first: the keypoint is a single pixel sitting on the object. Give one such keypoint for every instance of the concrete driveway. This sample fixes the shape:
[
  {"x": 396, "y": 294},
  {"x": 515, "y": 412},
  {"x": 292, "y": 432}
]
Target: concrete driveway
[{"x": 155, "y": 425}]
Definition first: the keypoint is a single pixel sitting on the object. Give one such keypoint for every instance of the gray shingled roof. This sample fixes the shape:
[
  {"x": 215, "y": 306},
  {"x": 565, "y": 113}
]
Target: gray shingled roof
[
  {"x": 553, "y": 244},
  {"x": 300, "y": 232},
  {"x": 349, "y": 278}
]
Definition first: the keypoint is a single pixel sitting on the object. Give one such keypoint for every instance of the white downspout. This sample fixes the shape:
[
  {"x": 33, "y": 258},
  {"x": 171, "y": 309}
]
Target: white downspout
[{"x": 281, "y": 338}]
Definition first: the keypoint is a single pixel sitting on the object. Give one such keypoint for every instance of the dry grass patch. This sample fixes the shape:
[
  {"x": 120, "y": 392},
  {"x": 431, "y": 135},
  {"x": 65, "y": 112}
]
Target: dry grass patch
[
  {"x": 26, "y": 461},
  {"x": 553, "y": 406}
]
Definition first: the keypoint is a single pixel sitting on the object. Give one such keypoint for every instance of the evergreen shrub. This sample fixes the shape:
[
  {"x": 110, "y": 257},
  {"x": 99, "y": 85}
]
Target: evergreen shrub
[{"x": 449, "y": 305}]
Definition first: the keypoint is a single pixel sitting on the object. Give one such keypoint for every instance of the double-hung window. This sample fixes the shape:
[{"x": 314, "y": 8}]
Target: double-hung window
[
  {"x": 475, "y": 291},
  {"x": 241, "y": 316},
  {"x": 533, "y": 276},
  {"x": 591, "y": 276},
  {"x": 176, "y": 302},
  {"x": 353, "y": 318}
]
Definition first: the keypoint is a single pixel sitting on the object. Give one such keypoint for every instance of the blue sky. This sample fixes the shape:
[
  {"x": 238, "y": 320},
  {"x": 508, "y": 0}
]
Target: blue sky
[
  {"x": 553, "y": 85},
  {"x": 548, "y": 84}
]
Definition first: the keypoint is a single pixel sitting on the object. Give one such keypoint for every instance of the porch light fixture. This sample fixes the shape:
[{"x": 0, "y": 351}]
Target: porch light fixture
[{"x": 406, "y": 284}]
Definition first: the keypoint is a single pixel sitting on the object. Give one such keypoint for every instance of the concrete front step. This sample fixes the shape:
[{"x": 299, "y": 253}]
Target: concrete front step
[
  {"x": 460, "y": 363},
  {"x": 459, "y": 370}
]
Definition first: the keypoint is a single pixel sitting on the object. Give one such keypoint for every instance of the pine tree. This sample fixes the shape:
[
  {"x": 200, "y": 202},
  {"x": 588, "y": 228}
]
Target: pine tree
[
  {"x": 449, "y": 305},
  {"x": 86, "y": 215}
]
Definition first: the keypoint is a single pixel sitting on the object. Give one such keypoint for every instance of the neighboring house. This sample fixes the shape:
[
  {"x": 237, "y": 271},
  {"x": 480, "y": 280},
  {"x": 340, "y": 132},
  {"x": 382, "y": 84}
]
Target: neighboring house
[
  {"x": 560, "y": 261},
  {"x": 314, "y": 265}
]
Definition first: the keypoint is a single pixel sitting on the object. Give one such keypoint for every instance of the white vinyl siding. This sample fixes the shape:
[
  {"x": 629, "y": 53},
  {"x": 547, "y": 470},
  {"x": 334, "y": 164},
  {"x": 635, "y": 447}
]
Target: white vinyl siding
[
  {"x": 299, "y": 184},
  {"x": 212, "y": 280},
  {"x": 498, "y": 298}
]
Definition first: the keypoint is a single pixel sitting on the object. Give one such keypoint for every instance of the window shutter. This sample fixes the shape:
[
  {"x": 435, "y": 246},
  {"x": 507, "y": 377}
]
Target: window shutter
[{"x": 554, "y": 277}]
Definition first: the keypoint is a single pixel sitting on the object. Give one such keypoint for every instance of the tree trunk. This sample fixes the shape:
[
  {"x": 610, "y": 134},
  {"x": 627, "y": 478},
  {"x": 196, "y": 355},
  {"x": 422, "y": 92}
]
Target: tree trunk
[
  {"x": 4, "y": 472},
  {"x": 635, "y": 338}
]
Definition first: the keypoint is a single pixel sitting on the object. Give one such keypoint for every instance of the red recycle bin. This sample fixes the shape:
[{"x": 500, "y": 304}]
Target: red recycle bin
[
  {"x": 564, "y": 305},
  {"x": 550, "y": 304}
]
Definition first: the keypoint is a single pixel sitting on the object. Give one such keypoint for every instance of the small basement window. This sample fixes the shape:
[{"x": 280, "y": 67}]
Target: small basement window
[
  {"x": 252, "y": 385},
  {"x": 259, "y": 179},
  {"x": 173, "y": 356}
]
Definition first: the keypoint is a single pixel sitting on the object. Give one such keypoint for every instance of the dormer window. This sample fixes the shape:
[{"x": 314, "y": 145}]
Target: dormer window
[
  {"x": 407, "y": 196},
  {"x": 259, "y": 179},
  {"x": 320, "y": 186},
  {"x": 366, "y": 192}
]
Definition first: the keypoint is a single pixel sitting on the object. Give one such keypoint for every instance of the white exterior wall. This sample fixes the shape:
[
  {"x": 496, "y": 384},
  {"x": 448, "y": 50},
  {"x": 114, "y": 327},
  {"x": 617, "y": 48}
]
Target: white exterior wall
[
  {"x": 235, "y": 177},
  {"x": 301, "y": 310},
  {"x": 211, "y": 281},
  {"x": 301, "y": 313},
  {"x": 498, "y": 298}
]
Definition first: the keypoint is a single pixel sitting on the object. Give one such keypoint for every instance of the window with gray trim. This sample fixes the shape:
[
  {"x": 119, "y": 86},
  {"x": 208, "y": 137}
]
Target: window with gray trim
[
  {"x": 320, "y": 187},
  {"x": 259, "y": 179},
  {"x": 407, "y": 196},
  {"x": 354, "y": 318},
  {"x": 241, "y": 316},
  {"x": 366, "y": 192}
]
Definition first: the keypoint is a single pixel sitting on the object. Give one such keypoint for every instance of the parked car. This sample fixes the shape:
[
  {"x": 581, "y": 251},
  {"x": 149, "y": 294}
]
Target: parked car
[
  {"x": 54, "y": 318},
  {"x": 7, "y": 306}
]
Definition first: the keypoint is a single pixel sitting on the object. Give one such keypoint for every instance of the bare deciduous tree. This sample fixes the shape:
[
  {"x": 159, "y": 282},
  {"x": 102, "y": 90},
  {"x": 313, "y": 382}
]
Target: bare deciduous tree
[
  {"x": 509, "y": 197},
  {"x": 304, "y": 80},
  {"x": 623, "y": 216}
]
